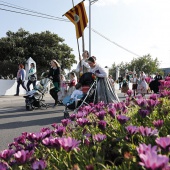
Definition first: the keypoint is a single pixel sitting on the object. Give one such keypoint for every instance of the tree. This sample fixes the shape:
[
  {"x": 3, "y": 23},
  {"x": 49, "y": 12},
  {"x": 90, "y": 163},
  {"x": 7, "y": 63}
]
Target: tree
[
  {"x": 145, "y": 63},
  {"x": 122, "y": 67},
  {"x": 42, "y": 47}
]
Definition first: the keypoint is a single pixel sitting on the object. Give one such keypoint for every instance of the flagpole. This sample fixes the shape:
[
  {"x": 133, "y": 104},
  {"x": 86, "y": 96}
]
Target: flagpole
[
  {"x": 73, "y": 3},
  {"x": 78, "y": 45}
]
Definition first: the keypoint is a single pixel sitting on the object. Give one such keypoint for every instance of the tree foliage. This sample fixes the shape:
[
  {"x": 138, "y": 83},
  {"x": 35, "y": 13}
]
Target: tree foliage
[
  {"x": 145, "y": 63},
  {"x": 42, "y": 47}
]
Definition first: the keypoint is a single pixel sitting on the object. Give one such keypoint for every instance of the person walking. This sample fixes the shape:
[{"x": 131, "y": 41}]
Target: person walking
[
  {"x": 128, "y": 78},
  {"x": 134, "y": 84},
  {"x": 54, "y": 74},
  {"x": 31, "y": 76},
  {"x": 125, "y": 86},
  {"x": 157, "y": 78},
  {"x": 120, "y": 80},
  {"x": 112, "y": 82},
  {"x": 20, "y": 78},
  {"x": 142, "y": 85}
]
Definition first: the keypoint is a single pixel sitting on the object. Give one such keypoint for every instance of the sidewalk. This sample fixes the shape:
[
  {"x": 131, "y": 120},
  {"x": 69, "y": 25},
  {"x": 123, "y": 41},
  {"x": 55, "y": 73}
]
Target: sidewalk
[{"x": 17, "y": 99}]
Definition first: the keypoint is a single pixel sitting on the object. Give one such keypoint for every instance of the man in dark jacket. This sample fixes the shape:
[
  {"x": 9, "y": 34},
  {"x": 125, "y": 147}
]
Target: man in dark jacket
[
  {"x": 156, "y": 82},
  {"x": 120, "y": 80}
]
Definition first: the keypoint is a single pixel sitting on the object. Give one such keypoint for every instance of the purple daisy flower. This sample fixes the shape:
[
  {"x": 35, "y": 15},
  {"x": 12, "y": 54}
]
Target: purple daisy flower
[
  {"x": 163, "y": 142},
  {"x": 72, "y": 117},
  {"x": 7, "y": 153},
  {"x": 82, "y": 121},
  {"x": 151, "y": 160},
  {"x": 132, "y": 129},
  {"x": 102, "y": 124},
  {"x": 129, "y": 93},
  {"x": 112, "y": 112},
  {"x": 144, "y": 112},
  {"x": 158, "y": 123},
  {"x": 101, "y": 114},
  {"x": 60, "y": 130},
  {"x": 39, "y": 164},
  {"x": 3, "y": 166},
  {"x": 23, "y": 156},
  {"x": 99, "y": 137},
  {"x": 146, "y": 131},
  {"x": 65, "y": 122},
  {"x": 69, "y": 143},
  {"x": 122, "y": 119}
]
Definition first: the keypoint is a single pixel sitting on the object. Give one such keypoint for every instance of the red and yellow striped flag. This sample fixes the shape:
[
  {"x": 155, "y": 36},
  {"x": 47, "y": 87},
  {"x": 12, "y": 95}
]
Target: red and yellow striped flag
[{"x": 77, "y": 15}]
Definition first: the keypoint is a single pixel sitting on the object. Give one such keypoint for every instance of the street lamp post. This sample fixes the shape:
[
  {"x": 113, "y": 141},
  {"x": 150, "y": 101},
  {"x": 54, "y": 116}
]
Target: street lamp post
[{"x": 91, "y": 2}]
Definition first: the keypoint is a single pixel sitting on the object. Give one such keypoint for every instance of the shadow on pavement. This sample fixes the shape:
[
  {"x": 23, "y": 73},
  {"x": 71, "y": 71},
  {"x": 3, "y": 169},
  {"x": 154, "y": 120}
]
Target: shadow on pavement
[
  {"x": 40, "y": 122},
  {"x": 30, "y": 113}
]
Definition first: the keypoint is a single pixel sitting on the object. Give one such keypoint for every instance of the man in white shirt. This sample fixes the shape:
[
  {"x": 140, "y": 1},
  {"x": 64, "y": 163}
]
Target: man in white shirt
[{"x": 83, "y": 65}]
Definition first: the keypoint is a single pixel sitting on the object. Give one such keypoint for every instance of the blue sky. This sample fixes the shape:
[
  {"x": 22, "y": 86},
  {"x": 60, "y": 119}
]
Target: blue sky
[{"x": 141, "y": 26}]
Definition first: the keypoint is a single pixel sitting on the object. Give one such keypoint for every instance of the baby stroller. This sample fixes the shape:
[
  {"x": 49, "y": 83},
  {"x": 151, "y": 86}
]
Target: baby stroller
[
  {"x": 34, "y": 98},
  {"x": 89, "y": 85}
]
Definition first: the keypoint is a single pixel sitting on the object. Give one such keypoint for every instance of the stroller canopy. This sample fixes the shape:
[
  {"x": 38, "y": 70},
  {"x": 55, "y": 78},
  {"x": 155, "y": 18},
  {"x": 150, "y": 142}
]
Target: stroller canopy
[{"x": 87, "y": 79}]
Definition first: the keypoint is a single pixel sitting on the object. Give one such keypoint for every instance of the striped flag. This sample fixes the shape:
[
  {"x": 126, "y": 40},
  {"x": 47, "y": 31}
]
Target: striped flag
[{"x": 77, "y": 15}]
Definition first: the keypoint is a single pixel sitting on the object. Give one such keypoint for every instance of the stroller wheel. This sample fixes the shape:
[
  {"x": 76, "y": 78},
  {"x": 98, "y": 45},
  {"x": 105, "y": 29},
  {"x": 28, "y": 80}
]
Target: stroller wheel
[
  {"x": 28, "y": 107},
  {"x": 66, "y": 115}
]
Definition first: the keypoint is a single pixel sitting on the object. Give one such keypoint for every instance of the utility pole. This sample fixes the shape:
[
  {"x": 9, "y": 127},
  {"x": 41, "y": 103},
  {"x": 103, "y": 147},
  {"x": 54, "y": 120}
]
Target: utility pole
[{"x": 91, "y": 2}]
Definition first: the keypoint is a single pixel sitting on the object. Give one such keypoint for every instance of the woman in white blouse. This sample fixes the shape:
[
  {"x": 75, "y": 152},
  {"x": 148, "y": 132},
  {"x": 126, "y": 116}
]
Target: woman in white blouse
[
  {"x": 142, "y": 85},
  {"x": 105, "y": 91}
]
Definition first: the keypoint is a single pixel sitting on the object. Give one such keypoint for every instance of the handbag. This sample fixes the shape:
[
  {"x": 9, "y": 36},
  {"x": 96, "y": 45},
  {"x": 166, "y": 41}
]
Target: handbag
[
  {"x": 20, "y": 81},
  {"x": 32, "y": 78}
]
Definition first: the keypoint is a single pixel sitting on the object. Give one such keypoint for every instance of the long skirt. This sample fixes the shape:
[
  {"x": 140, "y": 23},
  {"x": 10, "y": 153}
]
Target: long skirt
[
  {"x": 142, "y": 88},
  {"x": 124, "y": 89},
  {"x": 105, "y": 92}
]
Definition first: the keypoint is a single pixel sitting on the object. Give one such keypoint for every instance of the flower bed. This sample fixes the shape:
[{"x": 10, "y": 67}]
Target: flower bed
[{"x": 128, "y": 135}]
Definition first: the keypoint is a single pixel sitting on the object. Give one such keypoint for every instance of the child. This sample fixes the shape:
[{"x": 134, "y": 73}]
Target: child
[
  {"x": 125, "y": 86},
  {"x": 63, "y": 88},
  {"x": 72, "y": 83},
  {"x": 77, "y": 94}
]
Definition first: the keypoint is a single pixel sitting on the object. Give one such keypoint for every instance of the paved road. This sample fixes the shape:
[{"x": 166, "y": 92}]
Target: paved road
[{"x": 14, "y": 119}]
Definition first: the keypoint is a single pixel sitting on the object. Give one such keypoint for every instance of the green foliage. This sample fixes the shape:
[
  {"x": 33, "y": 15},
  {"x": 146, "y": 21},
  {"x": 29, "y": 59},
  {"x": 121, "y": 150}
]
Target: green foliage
[
  {"x": 116, "y": 151},
  {"x": 145, "y": 63},
  {"x": 18, "y": 46}
]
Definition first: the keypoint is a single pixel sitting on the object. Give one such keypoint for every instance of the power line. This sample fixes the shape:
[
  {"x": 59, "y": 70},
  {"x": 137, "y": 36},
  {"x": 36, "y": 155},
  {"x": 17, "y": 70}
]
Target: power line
[
  {"x": 114, "y": 43},
  {"x": 46, "y": 16},
  {"x": 31, "y": 14},
  {"x": 28, "y": 10}
]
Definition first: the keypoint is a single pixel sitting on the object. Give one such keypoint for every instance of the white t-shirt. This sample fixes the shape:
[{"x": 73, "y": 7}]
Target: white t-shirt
[
  {"x": 76, "y": 93},
  {"x": 99, "y": 71},
  {"x": 83, "y": 63}
]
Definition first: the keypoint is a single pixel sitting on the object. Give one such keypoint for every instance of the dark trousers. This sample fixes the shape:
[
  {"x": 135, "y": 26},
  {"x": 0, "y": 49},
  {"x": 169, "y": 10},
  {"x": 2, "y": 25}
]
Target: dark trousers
[
  {"x": 18, "y": 85},
  {"x": 29, "y": 83},
  {"x": 54, "y": 95},
  {"x": 120, "y": 86}
]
